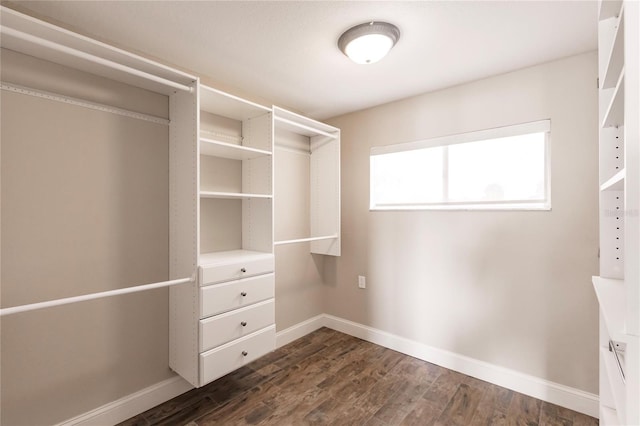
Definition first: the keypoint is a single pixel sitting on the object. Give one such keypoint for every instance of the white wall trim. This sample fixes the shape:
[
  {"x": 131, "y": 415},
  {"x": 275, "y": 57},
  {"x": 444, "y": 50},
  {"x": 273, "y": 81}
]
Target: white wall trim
[
  {"x": 299, "y": 330},
  {"x": 555, "y": 393},
  {"x": 132, "y": 405}
]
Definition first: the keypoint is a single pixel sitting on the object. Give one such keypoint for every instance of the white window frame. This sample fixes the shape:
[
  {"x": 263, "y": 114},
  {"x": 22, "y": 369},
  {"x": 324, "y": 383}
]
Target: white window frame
[{"x": 542, "y": 126}]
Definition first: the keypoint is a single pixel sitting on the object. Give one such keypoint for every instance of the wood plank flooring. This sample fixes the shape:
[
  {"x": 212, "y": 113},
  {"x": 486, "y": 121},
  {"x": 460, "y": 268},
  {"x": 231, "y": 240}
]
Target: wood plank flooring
[{"x": 330, "y": 378}]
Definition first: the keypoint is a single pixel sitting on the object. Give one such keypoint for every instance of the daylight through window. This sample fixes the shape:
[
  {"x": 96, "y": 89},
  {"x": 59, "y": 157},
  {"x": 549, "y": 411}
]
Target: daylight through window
[{"x": 503, "y": 168}]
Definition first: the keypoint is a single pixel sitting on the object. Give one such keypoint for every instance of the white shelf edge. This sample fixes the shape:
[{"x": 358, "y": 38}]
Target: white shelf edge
[
  {"x": 229, "y": 150},
  {"x": 609, "y": 9},
  {"x": 615, "y": 60},
  {"x": 219, "y": 257},
  {"x": 304, "y": 240},
  {"x": 232, "y": 195},
  {"x": 615, "y": 379},
  {"x": 217, "y": 102},
  {"x": 611, "y": 297},
  {"x": 608, "y": 416},
  {"x": 615, "y": 111},
  {"x": 615, "y": 182},
  {"x": 310, "y": 130}
]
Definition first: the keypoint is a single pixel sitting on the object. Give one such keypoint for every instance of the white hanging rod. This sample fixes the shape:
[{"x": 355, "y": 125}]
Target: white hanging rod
[
  {"x": 92, "y": 58},
  {"x": 82, "y": 103},
  {"x": 92, "y": 296},
  {"x": 304, "y": 240}
]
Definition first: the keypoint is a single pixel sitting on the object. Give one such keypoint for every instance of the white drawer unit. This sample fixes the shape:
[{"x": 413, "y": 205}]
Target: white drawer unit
[
  {"x": 236, "y": 267},
  {"x": 224, "y": 359},
  {"x": 229, "y": 326},
  {"x": 219, "y": 298}
]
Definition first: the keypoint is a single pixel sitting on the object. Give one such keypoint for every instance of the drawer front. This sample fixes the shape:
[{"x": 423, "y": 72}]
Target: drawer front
[
  {"x": 215, "y": 299},
  {"x": 235, "y": 270},
  {"x": 224, "y": 359},
  {"x": 229, "y": 326}
]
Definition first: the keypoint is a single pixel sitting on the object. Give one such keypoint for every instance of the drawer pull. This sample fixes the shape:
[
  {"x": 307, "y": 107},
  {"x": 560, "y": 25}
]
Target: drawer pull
[
  {"x": 243, "y": 323},
  {"x": 243, "y": 270},
  {"x": 245, "y": 353},
  {"x": 243, "y": 294}
]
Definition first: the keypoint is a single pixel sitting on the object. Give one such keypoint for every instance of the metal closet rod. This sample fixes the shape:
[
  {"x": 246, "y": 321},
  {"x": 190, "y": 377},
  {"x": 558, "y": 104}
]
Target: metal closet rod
[{"x": 92, "y": 296}]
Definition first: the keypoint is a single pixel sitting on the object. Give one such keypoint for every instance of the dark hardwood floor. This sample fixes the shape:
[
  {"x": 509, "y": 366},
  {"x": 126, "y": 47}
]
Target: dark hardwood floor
[{"x": 330, "y": 378}]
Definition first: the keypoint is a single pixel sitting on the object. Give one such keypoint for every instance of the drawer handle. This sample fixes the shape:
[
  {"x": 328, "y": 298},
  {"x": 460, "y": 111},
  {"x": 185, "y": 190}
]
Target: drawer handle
[
  {"x": 243, "y": 323},
  {"x": 243, "y": 294},
  {"x": 243, "y": 270},
  {"x": 245, "y": 353}
]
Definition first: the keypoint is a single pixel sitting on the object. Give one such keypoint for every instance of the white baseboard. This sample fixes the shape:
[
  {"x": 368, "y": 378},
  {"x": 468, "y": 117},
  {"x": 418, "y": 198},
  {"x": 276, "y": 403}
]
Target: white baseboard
[
  {"x": 132, "y": 405},
  {"x": 564, "y": 396},
  {"x": 299, "y": 330}
]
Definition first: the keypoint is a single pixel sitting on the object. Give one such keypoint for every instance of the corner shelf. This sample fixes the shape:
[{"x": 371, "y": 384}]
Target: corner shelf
[
  {"x": 609, "y": 9},
  {"x": 615, "y": 61},
  {"x": 615, "y": 183},
  {"x": 614, "y": 116},
  {"x": 611, "y": 297}
]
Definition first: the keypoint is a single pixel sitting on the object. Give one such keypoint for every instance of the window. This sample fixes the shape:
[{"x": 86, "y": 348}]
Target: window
[{"x": 503, "y": 168}]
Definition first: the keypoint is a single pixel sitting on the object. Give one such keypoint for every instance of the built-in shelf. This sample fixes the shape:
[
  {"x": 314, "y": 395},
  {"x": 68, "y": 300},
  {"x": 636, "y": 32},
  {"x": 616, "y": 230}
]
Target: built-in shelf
[
  {"x": 611, "y": 295},
  {"x": 215, "y": 258},
  {"x": 608, "y": 416},
  {"x": 301, "y": 125},
  {"x": 615, "y": 183},
  {"x": 231, "y": 151},
  {"x": 615, "y": 112},
  {"x": 609, "y": 9},
  {"x": 43, "y": 40},
  {"x": 232, "y": 195},
  {"x": 305, "y": 240},
  {"x": 615, "y": 378},
  {"x": 301, "y": 129},
  {"x": 616, "y": 56},
  {"x": 227, "y": 105}
]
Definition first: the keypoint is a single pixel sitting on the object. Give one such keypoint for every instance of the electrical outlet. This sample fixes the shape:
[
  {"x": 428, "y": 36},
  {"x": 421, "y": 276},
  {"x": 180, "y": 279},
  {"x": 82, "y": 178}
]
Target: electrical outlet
[{"x": 362, "y": 281}]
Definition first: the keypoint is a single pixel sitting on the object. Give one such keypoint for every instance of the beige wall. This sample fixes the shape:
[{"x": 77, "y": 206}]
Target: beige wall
[
  {"x": 509, "y": 288},
  {"x": 84, "y": 209},
  {"x": 299, "y": 289}
]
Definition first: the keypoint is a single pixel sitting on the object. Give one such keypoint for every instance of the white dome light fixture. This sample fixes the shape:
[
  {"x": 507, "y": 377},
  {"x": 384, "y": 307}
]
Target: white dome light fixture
[{"x": 369, "y": 42}]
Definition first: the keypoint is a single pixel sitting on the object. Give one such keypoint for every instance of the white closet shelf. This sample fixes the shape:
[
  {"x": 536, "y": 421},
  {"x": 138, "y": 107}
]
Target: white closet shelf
[
  {"x": 611, "y": 295},
  {"x": 301, "y": 129},
  {"x": 302, "y": 125},
  {"x": 615, "y": 112},
  {"x": 615, "y": 183},
  {"x": 609, "y": 9},
  {"x": 615, "y": 377},
  {"x": 232, "y": 195},
  {"x": 305, "y": 240},
  {"x": 220, "y": 103},
  {"x": 608, "y": 416},
  {"x": 215, "y": 148},
  {"x": 64, "y": 47},
  {"x": 222, "y": 257},
  {"x": 616, "y": 56}
]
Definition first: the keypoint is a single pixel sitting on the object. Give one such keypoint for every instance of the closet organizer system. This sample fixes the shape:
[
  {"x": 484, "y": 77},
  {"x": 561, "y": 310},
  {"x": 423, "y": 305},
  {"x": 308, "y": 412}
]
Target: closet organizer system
[
  {"x": 618, "y": 286},
  {"x": 221, "y": 245}
]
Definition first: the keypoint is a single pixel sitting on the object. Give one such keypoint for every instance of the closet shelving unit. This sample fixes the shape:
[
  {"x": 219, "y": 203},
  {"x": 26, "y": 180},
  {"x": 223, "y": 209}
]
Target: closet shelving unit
[
  {"x": 617, "y": 287},
  {"x": 322, "y": 143},
  {"x": 228, "y": 319}
]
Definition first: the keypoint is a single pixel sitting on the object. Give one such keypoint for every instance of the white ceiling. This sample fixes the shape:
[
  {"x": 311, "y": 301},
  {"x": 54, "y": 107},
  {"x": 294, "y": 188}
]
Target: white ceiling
[{"x": 286, "y": 51}]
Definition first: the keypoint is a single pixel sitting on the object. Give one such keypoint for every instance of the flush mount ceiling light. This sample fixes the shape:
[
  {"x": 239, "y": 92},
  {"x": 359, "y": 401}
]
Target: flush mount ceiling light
[{"x": 369, "y": 42}]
